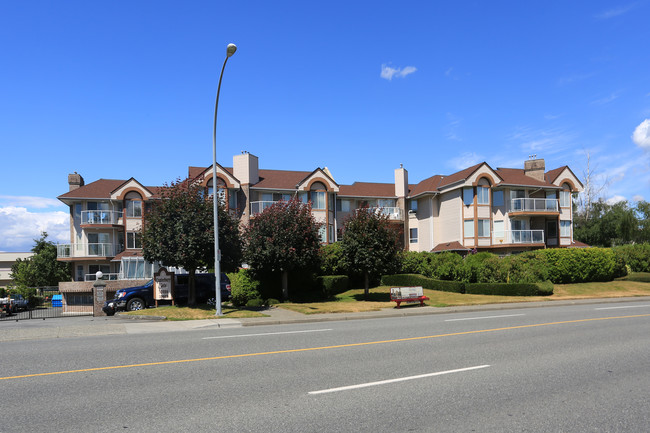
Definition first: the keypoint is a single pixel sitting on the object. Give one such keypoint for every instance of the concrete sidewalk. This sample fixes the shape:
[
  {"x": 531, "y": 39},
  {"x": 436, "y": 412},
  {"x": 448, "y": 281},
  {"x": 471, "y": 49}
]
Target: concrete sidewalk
[{"x": 71, "y": 327}]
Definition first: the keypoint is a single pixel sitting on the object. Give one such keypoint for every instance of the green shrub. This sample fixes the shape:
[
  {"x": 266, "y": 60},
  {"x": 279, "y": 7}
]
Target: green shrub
[
  {"x": 333, "y": 284},
  {"x": 636, "y": 256},
  {"x": 473, "y": 268},
  {"x": 332, "y": 260},
  {"x": 416, "y": 262},
  {"x": 445, "y": 266},
  {"x": 580, "y": 265},
  {"x": 243, "y": 287},
  {"x": 414, "y": 280},
  {"x": 272, "y": 301},
  {"x": 502, "y": 289},
  {"x": 545, "y": 288},
  {"x": 527, "y": 267},
  {"x": 255, "y": 303}
]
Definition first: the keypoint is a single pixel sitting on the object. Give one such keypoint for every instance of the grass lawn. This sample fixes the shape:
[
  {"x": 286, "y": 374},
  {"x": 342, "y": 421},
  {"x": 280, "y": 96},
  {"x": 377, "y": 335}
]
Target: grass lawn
[
  {"x": 352, "y": 300},
  {"x": 196, "y": 313}
]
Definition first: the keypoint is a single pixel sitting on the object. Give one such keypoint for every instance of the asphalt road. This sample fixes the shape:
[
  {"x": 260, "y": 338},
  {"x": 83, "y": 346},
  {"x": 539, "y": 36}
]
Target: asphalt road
[{"x": 570, "y": 368}]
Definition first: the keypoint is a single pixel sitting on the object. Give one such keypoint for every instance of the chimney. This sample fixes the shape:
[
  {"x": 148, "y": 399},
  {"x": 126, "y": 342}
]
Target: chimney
[
  {"x": 75, "y": 181},
  {"x": 534, "y": 168},
  {"x": 401, "y": 181},
  {"x": 245, "y": 168}
]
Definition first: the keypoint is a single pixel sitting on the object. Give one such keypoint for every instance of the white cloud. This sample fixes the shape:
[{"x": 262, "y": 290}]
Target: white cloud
[
  {"x": 615, "y": 199},
  {"x": 20, "y": 226},
  {"x": 543, "y": 142},
  {"x": 29, "y": 201},
  {"x": 641, "y": 135},
  {"x": 612, "y": 13},
  {"x": 638, "y": 198},
  {"x": 607, "y": 99},
  {"x": 388, "y": 72},
  {"x": 466, "y": 159}
]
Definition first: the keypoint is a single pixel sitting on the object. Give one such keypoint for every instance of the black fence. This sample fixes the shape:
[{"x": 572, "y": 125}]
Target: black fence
[{"x": 53, "y": 306}]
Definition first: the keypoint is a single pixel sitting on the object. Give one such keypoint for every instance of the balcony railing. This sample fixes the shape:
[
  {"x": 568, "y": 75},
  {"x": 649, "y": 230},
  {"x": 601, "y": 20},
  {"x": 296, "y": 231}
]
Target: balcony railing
[
  {"x": 100, "y": 217},
  {"x": 259, "y": 206},
  {"x": 93, "y": 277},
  {"x": 518, "y": 237},
  {"x": 393, "y": 213},
  {"x": 533, "y": 205},
  {"x": 86, "y": 250}
]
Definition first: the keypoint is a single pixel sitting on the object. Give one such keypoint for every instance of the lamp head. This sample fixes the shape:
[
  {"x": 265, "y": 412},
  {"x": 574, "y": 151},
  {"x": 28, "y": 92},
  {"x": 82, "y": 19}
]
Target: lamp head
[{"x": 230, "y": 49}]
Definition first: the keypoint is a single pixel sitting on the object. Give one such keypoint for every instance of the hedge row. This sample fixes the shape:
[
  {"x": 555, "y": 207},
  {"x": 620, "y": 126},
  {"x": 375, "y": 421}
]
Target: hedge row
[
  {"x": 501, "y": 289},
  {"x": 333, "y": 284},
  {"x": 636, "y": 256},
  {"x": 414, "y": 280}
]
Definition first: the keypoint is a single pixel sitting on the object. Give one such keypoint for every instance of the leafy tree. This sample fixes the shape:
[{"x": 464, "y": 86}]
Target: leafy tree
[
  {"x": 179, "y": 231},
  {"x": 42, "y": 269},
  {"x": 282, "y": 239},
  {"x": 369, "y": 246},
  {"x": 611, "y": 224}
]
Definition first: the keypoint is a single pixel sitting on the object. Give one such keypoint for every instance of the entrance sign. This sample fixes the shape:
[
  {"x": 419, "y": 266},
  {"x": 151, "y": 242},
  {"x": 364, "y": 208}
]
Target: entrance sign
[{"x": 163, "y": 286}]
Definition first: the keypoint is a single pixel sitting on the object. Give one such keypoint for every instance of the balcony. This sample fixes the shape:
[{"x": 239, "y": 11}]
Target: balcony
[
  {"x": 518, "y": 237},
  {"x": 393, "y": 213},
  {"x": 109, "y": 277},
  {"x": 533, "y": 205},
  {"x": 65, "y": 251},
  {"x": 104, "y": 217}
]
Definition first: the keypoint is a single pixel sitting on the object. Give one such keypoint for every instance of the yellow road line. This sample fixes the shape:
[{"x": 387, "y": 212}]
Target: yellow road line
[{"x": 307, "y": 349}]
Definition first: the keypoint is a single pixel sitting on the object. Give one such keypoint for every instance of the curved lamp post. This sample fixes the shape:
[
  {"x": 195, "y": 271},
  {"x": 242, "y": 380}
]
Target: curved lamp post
[{"x": 230, "y": 50}]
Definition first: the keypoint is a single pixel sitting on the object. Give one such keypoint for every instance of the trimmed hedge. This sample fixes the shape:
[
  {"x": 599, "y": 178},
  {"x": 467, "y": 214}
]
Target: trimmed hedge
[
  {"x": 505, "y": 289},
  {"x": 636, "y": 256},
  {"x": 581, "y": 265},
  {"x": 413, "y": 280},
  {"x": 243, "y": 287},
  {"x": 333, "y": 284}
]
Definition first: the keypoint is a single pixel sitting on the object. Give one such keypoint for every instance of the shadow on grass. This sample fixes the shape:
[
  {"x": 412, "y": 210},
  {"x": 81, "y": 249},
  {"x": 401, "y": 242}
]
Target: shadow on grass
[{"x": 372, "y": 297}]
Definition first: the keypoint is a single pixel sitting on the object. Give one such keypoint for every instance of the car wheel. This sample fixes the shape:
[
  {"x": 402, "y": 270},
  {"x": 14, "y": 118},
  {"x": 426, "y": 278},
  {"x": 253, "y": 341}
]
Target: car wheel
[
  {"x": 110, "y": 313},
  {"x": 135, "y": 304}
]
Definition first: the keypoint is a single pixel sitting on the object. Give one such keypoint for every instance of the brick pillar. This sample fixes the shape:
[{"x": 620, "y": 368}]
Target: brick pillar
[{"x": 99, "y": 297}]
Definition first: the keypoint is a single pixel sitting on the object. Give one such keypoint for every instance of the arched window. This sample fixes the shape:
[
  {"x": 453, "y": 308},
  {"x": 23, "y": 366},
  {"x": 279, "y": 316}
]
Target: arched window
[
  {"x": 222, "y": 190},
  {"x": 318, "y": 195},
  {"x": 565, "y": 195},
  {"x": 133, "y": 205}
]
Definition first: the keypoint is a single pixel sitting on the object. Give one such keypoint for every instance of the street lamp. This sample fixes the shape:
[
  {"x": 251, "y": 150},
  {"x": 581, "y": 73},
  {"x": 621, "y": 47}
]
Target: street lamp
[{"x": 230, "y": 50}]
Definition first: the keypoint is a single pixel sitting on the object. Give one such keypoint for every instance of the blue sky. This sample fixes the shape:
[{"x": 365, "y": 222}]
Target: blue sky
[{"x": 126, "y": 88}]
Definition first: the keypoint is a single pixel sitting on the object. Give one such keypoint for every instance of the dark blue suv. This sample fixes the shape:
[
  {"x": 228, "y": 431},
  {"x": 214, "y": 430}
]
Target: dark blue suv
[{"x": 140, "y": 297}]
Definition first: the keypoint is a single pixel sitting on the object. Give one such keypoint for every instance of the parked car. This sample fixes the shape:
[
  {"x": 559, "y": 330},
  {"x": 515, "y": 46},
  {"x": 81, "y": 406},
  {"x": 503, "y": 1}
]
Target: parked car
[
  {"x": 13, "y": 303},
  {"x": 140, "y": 297}
]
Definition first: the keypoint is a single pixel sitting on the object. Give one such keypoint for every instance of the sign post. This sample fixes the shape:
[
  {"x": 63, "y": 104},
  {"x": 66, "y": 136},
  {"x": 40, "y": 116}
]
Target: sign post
[{"x": 163, "y": 286}]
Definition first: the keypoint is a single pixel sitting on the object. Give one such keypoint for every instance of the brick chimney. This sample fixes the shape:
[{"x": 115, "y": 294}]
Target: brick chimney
[
  {"x": 401, "y": 181},
  {"x": 245, "y": 168},
  {"x": 75, "y": 181},
  {"x": 535, "y": 168}
]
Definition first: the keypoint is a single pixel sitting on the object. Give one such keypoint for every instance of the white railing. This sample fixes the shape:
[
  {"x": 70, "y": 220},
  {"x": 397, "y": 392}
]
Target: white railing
[
  {"x": 393, "y": 213},
  {"x": 100, "y": 217},
  {"x": 259, "y": 206},
  {"x": 86, "y": 250},
  {"x": 93, "y": 277},
  {"x": 533, "y": 205},
  {"x": 518, "y": 237}
]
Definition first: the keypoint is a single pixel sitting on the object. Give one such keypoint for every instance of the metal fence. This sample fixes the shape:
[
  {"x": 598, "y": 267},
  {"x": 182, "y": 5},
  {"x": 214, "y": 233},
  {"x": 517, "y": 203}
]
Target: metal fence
[{"x": 53, "y": 306}]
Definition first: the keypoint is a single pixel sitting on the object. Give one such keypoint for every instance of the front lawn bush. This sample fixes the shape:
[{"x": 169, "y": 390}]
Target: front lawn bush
[
  {"x": 333, "y": 284},
  {"x": 243, "y": 287},
  {"x": 414, "y": 280},
  {"x": 636, "y": 256},
  {"x": 580, "y": 265}
]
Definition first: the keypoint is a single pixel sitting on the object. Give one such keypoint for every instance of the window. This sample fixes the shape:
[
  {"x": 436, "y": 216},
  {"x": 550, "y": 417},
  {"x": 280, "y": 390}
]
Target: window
[
  {"x": 135, "y": 268},
  {"x": 302, "y": 196},
  {"x": 518, "y": 224},
  {"x": 468, "y": 196},
  {"x": 386, "y": 202},
  {"x": 133, "y": 240},
  {"x": 80, "y": 273},
  {"x": 413, "y": 236},
  {"x": 483, "y": 228},
  {"x": 323, "y": 234},
  {"x": 497, "y": 197},
  {"x": 551, "y": 229},
  {"x": 516, "y": 197},
  {"x": 232, "y": 199},
  {"x": 342, "y": 205},
  {"x": 469, "y": 228},
  {"x": 565, "y": 198},
  {"x": 92, "y": 270},
  {"x": 483, "y": 195},
  {"x": 498, "y": 229},
  {"x": 134, "y": 208},
  {"x": 565, "y": 229},
  {"x": 551, "y": 197},
  {"x": 318, "y": 199},
  {"x": 77, "y": 211},
  {"x": 413, "y": 205}
]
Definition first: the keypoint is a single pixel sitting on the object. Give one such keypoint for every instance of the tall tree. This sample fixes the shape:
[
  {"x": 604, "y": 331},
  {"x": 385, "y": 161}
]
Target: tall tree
[
  {"x": 283, "y": 238},
  {"x": 369, "y": 246},
  {"x": 179, "y": 231},
  {"x": 42, "y": 269}
]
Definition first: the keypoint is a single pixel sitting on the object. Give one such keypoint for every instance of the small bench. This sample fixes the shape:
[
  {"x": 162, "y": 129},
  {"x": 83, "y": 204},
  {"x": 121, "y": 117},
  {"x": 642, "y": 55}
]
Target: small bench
[{"x": 408, "y": 295}]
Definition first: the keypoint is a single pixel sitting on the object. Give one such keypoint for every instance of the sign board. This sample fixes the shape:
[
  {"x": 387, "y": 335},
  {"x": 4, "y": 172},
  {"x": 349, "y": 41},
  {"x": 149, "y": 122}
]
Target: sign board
[
  {"x": 406, "y": 292},
  {"x": 163, "y": 285}
]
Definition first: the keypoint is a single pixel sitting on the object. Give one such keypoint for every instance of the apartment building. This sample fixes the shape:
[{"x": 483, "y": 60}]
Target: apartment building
[{"x": 503, "y": 210}]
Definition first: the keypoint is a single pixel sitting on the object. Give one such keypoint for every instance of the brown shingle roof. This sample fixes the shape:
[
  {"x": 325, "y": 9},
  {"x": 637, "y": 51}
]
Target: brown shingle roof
[
  {"x": 101, "y": 188},
  {"x": 280, "y": 179},
  {"x": 516, "y": 176},
  {"x": 430, "y": 184},
  {"x": 449, "y": 246},
  {"x": 367, "y": 189}
]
